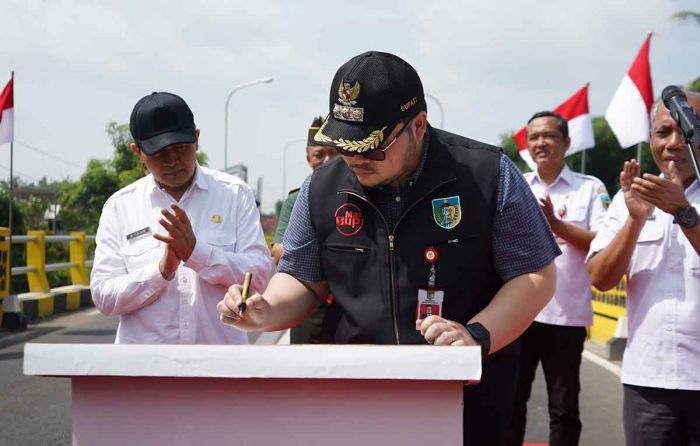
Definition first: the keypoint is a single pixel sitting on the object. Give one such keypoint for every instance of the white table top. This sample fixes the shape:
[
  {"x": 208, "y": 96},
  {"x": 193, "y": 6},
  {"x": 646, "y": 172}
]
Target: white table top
[{"x": 256, "y": 361}]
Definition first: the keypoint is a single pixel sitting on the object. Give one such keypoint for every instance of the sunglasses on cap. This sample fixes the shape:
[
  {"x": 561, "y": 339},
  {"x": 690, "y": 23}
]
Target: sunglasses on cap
[{"x": 376, "y": 154}]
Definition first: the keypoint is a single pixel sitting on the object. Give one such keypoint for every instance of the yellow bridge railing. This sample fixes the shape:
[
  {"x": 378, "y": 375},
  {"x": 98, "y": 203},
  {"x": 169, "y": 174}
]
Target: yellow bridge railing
[
  {"x": 42, "y": 300},
  {"x": 610, "y": 318},
  {"x": 609, "y": 307}
]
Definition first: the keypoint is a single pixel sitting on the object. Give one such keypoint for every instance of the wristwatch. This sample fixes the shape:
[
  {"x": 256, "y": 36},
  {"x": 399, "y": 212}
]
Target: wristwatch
[
  {"x": 481, "y": 335},
  {"x": 686, "y": 217}
]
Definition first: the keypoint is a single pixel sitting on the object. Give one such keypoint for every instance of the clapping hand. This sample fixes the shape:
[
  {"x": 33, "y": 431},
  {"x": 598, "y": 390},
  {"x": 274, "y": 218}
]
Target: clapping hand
[
  {"x": 180, "y": 239},
  {"x": 637, "y": 206},
  {"x": 665, "y": 193}
]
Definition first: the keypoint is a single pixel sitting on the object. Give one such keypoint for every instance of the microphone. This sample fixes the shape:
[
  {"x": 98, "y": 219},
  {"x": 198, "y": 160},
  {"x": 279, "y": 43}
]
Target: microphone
[{"x": 677, "y": 104}]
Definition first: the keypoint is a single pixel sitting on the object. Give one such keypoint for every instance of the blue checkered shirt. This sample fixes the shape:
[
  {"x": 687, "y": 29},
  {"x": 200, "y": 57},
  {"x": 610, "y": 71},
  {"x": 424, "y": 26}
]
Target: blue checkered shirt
[{"x": 522, "y": 239}]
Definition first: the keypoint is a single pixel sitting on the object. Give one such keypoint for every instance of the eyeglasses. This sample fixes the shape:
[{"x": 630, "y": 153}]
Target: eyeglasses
[{"x": 377, "y": 154}]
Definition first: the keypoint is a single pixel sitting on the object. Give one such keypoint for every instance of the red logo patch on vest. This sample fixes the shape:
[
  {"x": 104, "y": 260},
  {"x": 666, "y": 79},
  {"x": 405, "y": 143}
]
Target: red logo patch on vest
[{"x": 348, "y": 219}]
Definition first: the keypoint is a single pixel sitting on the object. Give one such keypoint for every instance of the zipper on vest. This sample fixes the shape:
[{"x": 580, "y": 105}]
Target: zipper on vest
[
  {"x": 392, "y": 273},
  {"x": 391, "y": 240},
  {"x": 394, "y": 291}
]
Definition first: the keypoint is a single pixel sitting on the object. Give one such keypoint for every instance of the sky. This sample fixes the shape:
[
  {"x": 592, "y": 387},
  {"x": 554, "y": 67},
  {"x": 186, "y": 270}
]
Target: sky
[{"x": 81, "y": 64}]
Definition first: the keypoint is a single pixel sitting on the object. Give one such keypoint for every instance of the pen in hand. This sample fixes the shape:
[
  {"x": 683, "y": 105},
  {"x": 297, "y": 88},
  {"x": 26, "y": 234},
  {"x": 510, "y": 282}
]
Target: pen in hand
[{"x": 244, "y": 293}]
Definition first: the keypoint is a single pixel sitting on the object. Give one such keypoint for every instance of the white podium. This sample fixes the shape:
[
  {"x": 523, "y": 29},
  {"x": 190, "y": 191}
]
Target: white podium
[{"x": 261, "y": 395}]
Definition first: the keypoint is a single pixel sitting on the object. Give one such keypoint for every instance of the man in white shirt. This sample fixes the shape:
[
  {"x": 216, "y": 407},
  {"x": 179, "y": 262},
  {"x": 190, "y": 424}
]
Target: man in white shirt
[
  {"x": 651, "y": 233},
  {"x": 574, "y": 205},
  {"x": 170, "y": 244}
]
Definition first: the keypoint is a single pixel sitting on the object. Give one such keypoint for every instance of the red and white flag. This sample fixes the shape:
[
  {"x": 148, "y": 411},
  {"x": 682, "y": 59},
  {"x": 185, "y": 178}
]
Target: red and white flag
[
  {"x": 628, "y": 112},
  {"x": 575, "y": 110},
  {"x": 7, "y": 107}
]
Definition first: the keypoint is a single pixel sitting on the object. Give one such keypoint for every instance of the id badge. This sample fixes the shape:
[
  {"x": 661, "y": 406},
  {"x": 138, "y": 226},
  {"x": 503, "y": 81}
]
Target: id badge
[{"x": 429, "y": 302}]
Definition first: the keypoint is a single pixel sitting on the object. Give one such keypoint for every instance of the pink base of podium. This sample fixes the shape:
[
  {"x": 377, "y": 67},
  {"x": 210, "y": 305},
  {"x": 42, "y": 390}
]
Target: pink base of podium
[
  {"x": 256, "y": 412},
  {"x": 261, "y": 395}
]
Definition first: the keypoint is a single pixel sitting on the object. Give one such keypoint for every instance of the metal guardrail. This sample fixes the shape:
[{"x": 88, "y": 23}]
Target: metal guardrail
[{"x": 36, "y": 267}]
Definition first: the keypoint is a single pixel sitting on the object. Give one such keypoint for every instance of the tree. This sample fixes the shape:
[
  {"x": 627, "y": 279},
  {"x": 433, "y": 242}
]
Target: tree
[
  {"x": 18, "y": 284},
  {"x": 83, "y": 200},
  {"x": 687, "y": 15}
]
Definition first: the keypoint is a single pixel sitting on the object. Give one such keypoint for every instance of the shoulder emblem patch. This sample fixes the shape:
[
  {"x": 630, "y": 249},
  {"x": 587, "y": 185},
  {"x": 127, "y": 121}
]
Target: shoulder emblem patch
[
  {"x": 604, "y": 197},
  {"x": 447, "y": 212}
]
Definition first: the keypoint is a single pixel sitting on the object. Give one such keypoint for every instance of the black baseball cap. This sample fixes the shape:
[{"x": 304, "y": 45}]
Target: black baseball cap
[
  {"x": 369, "y": 95},
  {"x": 159, "y": 120}
]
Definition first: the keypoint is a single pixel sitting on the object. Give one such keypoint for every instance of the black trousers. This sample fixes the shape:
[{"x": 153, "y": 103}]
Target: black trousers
[
  {"x": 559, "y": 349},
  {"x": 488, "y": 405},
  {"x": 661, "y": 417}
]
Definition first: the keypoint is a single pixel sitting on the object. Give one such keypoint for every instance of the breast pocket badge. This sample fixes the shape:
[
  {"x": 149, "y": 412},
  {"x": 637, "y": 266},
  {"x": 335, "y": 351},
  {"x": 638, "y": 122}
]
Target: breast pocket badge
[{"x": 429, "y": 302}]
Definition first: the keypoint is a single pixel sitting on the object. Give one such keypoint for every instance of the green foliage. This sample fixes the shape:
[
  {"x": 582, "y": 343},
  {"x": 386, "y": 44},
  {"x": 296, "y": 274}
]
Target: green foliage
[
  {"x": 126, "y": 163},
  {"x": 687, "y": 15},
  {"x": 694, "y": 85},
  {"x": 17, "y": 257},
  {"x": 32, "y": 210},
  {"x": 83, "y": 200}
]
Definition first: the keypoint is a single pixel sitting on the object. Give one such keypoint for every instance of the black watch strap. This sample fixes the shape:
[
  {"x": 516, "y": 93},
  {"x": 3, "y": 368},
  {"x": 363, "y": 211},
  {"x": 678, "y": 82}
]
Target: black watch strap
[
  {"x": 686, "y": 217},
  {"x": 481, "y": 335}
]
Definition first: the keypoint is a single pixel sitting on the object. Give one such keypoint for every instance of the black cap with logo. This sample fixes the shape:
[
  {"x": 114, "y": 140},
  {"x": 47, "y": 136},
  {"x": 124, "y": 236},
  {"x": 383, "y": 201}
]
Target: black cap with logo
[
  {"x": 369, "y": 95},
  {"x": 159, "y": 120}
]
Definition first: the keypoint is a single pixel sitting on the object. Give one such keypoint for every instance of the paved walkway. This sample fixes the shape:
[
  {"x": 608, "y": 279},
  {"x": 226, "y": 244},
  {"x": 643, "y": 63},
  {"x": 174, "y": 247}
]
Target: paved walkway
[{"x": 600, "y": 403}]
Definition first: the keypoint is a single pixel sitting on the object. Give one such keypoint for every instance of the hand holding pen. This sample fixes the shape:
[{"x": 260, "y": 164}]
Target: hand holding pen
[{"x": 243, "y": 312}]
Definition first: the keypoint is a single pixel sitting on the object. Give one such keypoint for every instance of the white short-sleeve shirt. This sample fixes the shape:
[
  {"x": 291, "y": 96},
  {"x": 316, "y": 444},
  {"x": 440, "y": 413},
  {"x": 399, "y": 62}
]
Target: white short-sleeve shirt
[
  {"x": 580, "y": 200},
  {"x": 126, "y": 279},
  {"x": 663, "y": 299}
]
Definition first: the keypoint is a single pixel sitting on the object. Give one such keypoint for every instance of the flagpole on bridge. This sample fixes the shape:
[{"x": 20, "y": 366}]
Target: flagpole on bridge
[
  {"x": 639, "y": 153},
  {"x": 12, "y": 194}
]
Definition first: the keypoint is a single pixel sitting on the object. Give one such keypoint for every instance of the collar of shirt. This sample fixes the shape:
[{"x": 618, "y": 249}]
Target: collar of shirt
[
  {"x": 565, "y": 175},
  {"x": 390, "y": 202},
  {"x": 409, "y": 182},
  {"x": 199, "y": 181}
]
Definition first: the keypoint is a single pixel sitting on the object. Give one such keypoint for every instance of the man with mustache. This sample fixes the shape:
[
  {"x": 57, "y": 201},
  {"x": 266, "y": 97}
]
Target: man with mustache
[
  {"x": 574, "y": 205},
  {"x": 652, "y": 233},
  {"x": 422, "y": 236},
  {"x": 169, "y": 244}
]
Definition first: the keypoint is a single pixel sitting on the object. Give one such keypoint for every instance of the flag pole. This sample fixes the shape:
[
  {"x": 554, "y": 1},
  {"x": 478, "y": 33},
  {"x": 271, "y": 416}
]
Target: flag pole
[
  {"x": 639, "y": 153},
  {"x": 583, "y": 162},
  {"x": 12, "y": 152}
]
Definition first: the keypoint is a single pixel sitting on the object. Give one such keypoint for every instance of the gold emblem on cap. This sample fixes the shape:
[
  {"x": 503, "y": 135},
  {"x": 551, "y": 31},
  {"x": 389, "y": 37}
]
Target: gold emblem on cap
[
  {"x": 356, "y": 114},
  {"x": 347, "y": 94},
  {"x": 216, "y": 219},
  {"x": 373, "y": 141}
]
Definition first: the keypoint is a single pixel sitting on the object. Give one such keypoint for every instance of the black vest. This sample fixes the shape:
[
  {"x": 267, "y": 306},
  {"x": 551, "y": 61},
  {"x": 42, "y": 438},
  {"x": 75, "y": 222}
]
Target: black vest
[{"x": 375, "y": 284}]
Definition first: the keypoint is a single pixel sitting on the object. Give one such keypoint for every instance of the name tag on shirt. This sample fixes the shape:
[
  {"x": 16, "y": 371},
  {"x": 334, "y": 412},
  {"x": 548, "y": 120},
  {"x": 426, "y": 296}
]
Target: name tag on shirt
[{"x": 138, "y": 233}]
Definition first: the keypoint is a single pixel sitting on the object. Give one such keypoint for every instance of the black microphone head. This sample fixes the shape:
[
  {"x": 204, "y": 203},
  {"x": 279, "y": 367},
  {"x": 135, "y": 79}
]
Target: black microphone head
[{"x": 670, "y": 92}]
